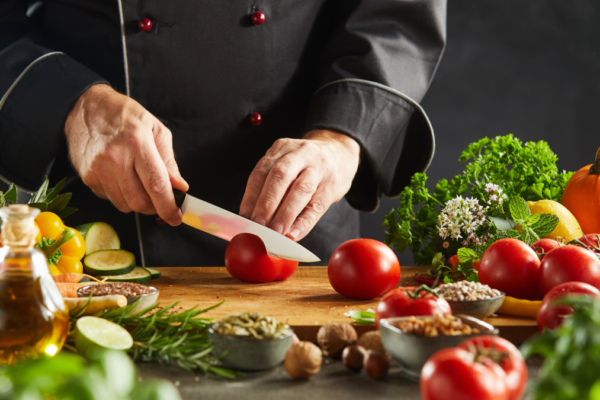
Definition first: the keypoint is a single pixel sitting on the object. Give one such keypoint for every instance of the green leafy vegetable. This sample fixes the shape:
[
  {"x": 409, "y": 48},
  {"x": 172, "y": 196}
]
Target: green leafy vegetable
[
  {"x": 521, "y": 170},
  {"x": 572, "y": 355},
  {"x": 10, "y": 197},
  {"x": 46, "y": 243},
  {"x": 363, "y": 317},
  {"x": 111, "y": 375},
  {"x": 166, "y": 338},
  {"x": 51, "y": 200}
]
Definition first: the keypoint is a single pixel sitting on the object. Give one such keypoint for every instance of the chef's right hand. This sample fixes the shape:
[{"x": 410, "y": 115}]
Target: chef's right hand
[{"x": 124, "y": 153}]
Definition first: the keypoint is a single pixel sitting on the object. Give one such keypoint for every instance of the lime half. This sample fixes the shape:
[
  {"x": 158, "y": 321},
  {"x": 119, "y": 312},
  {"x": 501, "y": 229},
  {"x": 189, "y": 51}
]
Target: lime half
[{"x": 93, "y": 333}]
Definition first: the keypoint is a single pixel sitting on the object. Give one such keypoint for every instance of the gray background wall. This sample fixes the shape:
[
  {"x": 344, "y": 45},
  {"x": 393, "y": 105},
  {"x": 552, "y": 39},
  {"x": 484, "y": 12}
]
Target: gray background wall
[{"x": 527, "y": 67}]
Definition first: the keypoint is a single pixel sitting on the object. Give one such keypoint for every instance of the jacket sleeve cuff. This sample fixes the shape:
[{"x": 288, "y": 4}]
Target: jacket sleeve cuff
[
  {"x": 34, "y": 105},
  {"x": 393, "y": 131}
]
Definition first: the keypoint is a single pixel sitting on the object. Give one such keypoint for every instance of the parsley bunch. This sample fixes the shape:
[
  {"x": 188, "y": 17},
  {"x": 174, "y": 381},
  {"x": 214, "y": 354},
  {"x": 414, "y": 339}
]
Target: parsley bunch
[{"x": 521, "y": 170}]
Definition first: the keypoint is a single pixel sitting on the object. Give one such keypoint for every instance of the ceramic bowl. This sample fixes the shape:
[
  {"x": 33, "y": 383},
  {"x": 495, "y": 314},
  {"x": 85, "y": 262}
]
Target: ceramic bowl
[
  {"x": 412, "y": 351},
  {"x": 477, "y": 308},
  {"x": 249, "y": 354}
]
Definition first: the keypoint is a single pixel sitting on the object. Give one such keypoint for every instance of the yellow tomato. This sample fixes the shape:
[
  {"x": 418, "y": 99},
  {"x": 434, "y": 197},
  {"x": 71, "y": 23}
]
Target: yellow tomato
[
  {"x": 54, "y": 270},
  {"x": 75, "y": 247},
  {"x": 68, "y": 265},
  {"x": 38, "y": 236},
  {"x": 50, "y": 225}
]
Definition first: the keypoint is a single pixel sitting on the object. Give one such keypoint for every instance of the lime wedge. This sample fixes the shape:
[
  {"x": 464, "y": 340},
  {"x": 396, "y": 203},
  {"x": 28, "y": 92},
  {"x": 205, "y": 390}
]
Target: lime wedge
[{"x": 93, "y": 333}]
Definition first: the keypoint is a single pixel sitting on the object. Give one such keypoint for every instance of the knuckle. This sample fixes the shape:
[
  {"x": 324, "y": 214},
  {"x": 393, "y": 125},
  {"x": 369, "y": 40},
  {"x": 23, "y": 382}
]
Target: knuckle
[
  {"x": 305, "y": 187},
  {"x": 308, "y": 146},
  {"x": 267, "y": 203},
  {"x": 280, "y": 172},
  {"x": 157, "y": 185},
  {"x": 317, "y": 206}
]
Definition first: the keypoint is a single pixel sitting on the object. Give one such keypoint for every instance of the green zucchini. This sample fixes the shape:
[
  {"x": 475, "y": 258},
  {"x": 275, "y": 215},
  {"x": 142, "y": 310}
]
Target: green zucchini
[
  {"x": 154, "y": 273},
  {"x": 99, "y": 236},
  {"x": 109, "y": 262},
  {"x": 138, "y": 275}
]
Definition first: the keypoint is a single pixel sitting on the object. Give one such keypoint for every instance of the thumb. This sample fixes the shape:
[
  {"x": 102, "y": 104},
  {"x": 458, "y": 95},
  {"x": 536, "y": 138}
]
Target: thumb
[{"x": 164, "y": 144}]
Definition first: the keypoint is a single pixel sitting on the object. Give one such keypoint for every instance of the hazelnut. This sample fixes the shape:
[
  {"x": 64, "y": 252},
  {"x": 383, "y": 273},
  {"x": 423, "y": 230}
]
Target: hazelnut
[
  {"x": 333, "y": 338},
  {"x": 372, "y": 341},
  {"x": 352, "y": 357},
  {"x": 303, "y": 360},
  {"x": 376, "y": 365}
]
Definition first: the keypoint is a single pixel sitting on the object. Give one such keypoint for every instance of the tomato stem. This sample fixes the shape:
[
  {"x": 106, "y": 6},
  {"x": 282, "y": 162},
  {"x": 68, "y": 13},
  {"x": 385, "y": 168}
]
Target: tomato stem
[{"x": 416, "y": 294}]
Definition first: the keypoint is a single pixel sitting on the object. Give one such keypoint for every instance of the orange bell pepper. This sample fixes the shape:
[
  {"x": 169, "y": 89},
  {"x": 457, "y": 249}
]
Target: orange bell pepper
[{"x": 519, "y": 307}]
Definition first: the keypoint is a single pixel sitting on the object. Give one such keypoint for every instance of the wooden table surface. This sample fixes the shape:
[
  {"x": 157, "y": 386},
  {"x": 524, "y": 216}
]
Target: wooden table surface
[{"x": 306, "y": 301}]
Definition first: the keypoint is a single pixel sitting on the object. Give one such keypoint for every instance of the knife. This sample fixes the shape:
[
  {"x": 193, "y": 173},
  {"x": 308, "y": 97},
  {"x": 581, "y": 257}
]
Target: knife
[{"x": 224, "y": 224}]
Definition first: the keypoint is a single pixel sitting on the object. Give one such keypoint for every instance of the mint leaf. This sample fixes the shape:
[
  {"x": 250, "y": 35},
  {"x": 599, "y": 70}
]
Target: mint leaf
[
  {"x": 546, "y": 224},
  {"x": 533, "y": 219},
  {"x": 529, "y": 236},
  {"x": 465, "y": 255},
  {"x": 519, "y": 209}
]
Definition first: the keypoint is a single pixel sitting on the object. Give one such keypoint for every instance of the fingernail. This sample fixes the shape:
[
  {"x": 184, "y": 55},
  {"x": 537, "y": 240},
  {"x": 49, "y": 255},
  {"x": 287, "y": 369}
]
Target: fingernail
[
  {"x": 260, "y": 220},
  {"x": 277, "y": 227},
  {"x": 295, "y": 233}
]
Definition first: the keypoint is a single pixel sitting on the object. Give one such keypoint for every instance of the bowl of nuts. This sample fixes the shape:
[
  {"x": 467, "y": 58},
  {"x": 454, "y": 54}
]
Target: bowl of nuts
[
  {"x": 471, "y": 298},
  {"x": 250, "y": 341},
  {"x": 412, "y": 340}
]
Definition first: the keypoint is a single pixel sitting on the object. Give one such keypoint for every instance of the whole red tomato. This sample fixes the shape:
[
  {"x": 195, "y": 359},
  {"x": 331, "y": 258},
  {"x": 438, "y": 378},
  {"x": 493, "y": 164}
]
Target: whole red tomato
[
  {"x": 454, "y": 374},
  {"x": 552, "y": 315},
  {"x": 363, "y": 269},
  {"x": 591, "y": 241},
  {"x": 506, "y": 355},
  {"x": 407, "y": 301},
  {"x": 246, "y": 259},
  {"x": 568, "y": 264},
  {"x": 544, "y": 246},
  {"x": 513, "y": 267}
]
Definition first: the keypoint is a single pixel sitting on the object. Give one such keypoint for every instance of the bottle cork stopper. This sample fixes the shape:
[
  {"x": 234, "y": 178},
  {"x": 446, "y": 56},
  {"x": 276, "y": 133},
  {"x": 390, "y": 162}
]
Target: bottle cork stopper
[{"x": 18, "y": 228}]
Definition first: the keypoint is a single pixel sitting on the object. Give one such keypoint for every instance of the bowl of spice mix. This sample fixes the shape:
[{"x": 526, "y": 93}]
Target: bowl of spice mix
[
  {"x": 471, "y": 298},
  {"x": 147, "y": 295},
  {"x": 250, "y": 341}
]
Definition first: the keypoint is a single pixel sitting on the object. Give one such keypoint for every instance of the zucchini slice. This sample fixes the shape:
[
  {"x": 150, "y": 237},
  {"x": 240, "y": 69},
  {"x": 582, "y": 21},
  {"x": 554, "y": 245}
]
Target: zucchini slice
[
  {"x": 109, "y": 262},
  {"x": 99, "y": 236},
  {"x": 138, "y": 275},
  {"x": 155, "y": 273}
]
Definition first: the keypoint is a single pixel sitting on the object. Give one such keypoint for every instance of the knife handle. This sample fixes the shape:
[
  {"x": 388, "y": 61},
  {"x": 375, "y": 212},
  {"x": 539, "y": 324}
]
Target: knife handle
[{"x": 179, "y": 197}]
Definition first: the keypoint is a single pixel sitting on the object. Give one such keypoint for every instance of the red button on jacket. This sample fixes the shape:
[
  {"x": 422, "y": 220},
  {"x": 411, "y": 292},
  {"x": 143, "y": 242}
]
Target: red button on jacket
[
  {"x": 258, "y": 18},
  {"x": 255, "y": 119},
  {"x": 144, "y": 25}
]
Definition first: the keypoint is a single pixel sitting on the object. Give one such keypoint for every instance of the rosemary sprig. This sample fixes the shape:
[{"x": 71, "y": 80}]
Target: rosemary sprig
[{"x": 164, "y": 337}]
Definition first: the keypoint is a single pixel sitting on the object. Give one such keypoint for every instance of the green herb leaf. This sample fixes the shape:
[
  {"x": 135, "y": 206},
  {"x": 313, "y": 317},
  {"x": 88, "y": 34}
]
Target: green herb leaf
[
  {"x": 11, "y": 195},
  {"x": 519, "y": 209},
  {"x": 467, "y": 255},
  {"x": 45, "y": 243},
  {"x": 40, "y": 195},
  {"x": 362, "y": 317},
  {"x": 545, "y": 225}
]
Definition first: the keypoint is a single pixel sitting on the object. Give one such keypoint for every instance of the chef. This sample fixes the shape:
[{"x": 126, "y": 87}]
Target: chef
[{"x": 295, "y": 114}]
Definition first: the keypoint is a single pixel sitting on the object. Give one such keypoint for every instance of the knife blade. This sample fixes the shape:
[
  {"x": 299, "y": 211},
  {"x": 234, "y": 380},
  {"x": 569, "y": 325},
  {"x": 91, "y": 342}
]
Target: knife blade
[{"x": 216, "y": 221}]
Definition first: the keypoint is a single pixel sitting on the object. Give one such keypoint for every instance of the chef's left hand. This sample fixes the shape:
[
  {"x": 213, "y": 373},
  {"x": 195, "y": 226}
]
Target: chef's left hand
[{"x": 293, "y": 185}]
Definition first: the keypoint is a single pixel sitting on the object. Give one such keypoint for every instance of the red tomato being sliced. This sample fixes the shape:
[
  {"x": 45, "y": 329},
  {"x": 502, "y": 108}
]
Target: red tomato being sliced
[
  {"x": 246, "y": 259},
  {"x": 551, "y": 315},
  {"x": 363, "y": 269},
  {"x": 569, "y": 264},
  {"x": 507, "y": 356},
  {"x": 454, "y": 374},
  {"x": 513, "y": 267},
  {"x": 401, "y": 303}
]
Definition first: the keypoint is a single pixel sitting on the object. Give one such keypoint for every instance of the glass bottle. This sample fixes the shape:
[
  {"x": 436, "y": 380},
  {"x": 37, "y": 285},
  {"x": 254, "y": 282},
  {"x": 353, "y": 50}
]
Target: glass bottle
[{"x": 33, "y": 317}]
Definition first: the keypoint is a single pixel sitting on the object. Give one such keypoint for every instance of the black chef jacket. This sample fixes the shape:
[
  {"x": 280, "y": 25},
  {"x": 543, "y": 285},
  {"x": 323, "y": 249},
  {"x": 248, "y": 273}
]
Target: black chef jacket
[{"x": 357, "y": 67}]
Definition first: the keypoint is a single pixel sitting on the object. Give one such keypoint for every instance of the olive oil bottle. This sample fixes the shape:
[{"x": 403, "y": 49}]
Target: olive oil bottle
[{"x": 33, "y": 317}]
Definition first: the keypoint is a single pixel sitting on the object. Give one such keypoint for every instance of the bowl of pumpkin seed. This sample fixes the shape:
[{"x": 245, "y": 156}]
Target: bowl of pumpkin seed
[{"x": 250, "y": 341}]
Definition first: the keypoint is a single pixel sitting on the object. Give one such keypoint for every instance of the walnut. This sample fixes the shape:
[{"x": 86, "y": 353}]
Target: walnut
[
  {"x": 303, "y": 360},
  {"x": 372, "y": 341},
  {"x": 333, "y": 338}
]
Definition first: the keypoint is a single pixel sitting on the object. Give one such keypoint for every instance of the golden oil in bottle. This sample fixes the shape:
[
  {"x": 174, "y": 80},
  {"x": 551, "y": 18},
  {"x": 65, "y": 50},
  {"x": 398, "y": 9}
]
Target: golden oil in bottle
[{"x": 33, "y": 317}]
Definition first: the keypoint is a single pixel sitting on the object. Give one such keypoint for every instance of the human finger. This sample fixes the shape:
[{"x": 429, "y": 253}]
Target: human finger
[
  {"x": 113, "y": 192},
  {"x": 163, "y": 139},
  {"x": 134, "y": 193},
  {"x": 155, "y": 179},
  {"x": 295, "y": 200},
  {"x": 312, "y": 213}
]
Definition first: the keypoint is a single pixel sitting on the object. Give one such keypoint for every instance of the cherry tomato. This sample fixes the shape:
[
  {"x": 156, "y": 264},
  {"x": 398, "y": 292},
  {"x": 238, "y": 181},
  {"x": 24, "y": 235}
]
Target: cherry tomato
[
  {"x": 544, "y": 246},
  {"x": 50, "y": 224},
  {"x": 363, "y": 269},
  {"x": 453, "y": 374},
  {"x": 591, "y": 241},
  {"x": 507, "y": 356},
  {"x": 407, "y": 301},
  {"x": 552, "y": 315},
  {"x": 513, "y": 267},
  {"x": 75, "y": 247},
  {"x": 246, "y": 259},
  {"x": 567, "y": 264},
  {"x": 453, "y": 261}
]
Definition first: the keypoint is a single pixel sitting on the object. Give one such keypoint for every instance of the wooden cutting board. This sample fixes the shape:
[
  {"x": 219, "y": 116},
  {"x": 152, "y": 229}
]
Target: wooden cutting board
[{"x": 306, "y": 301}]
